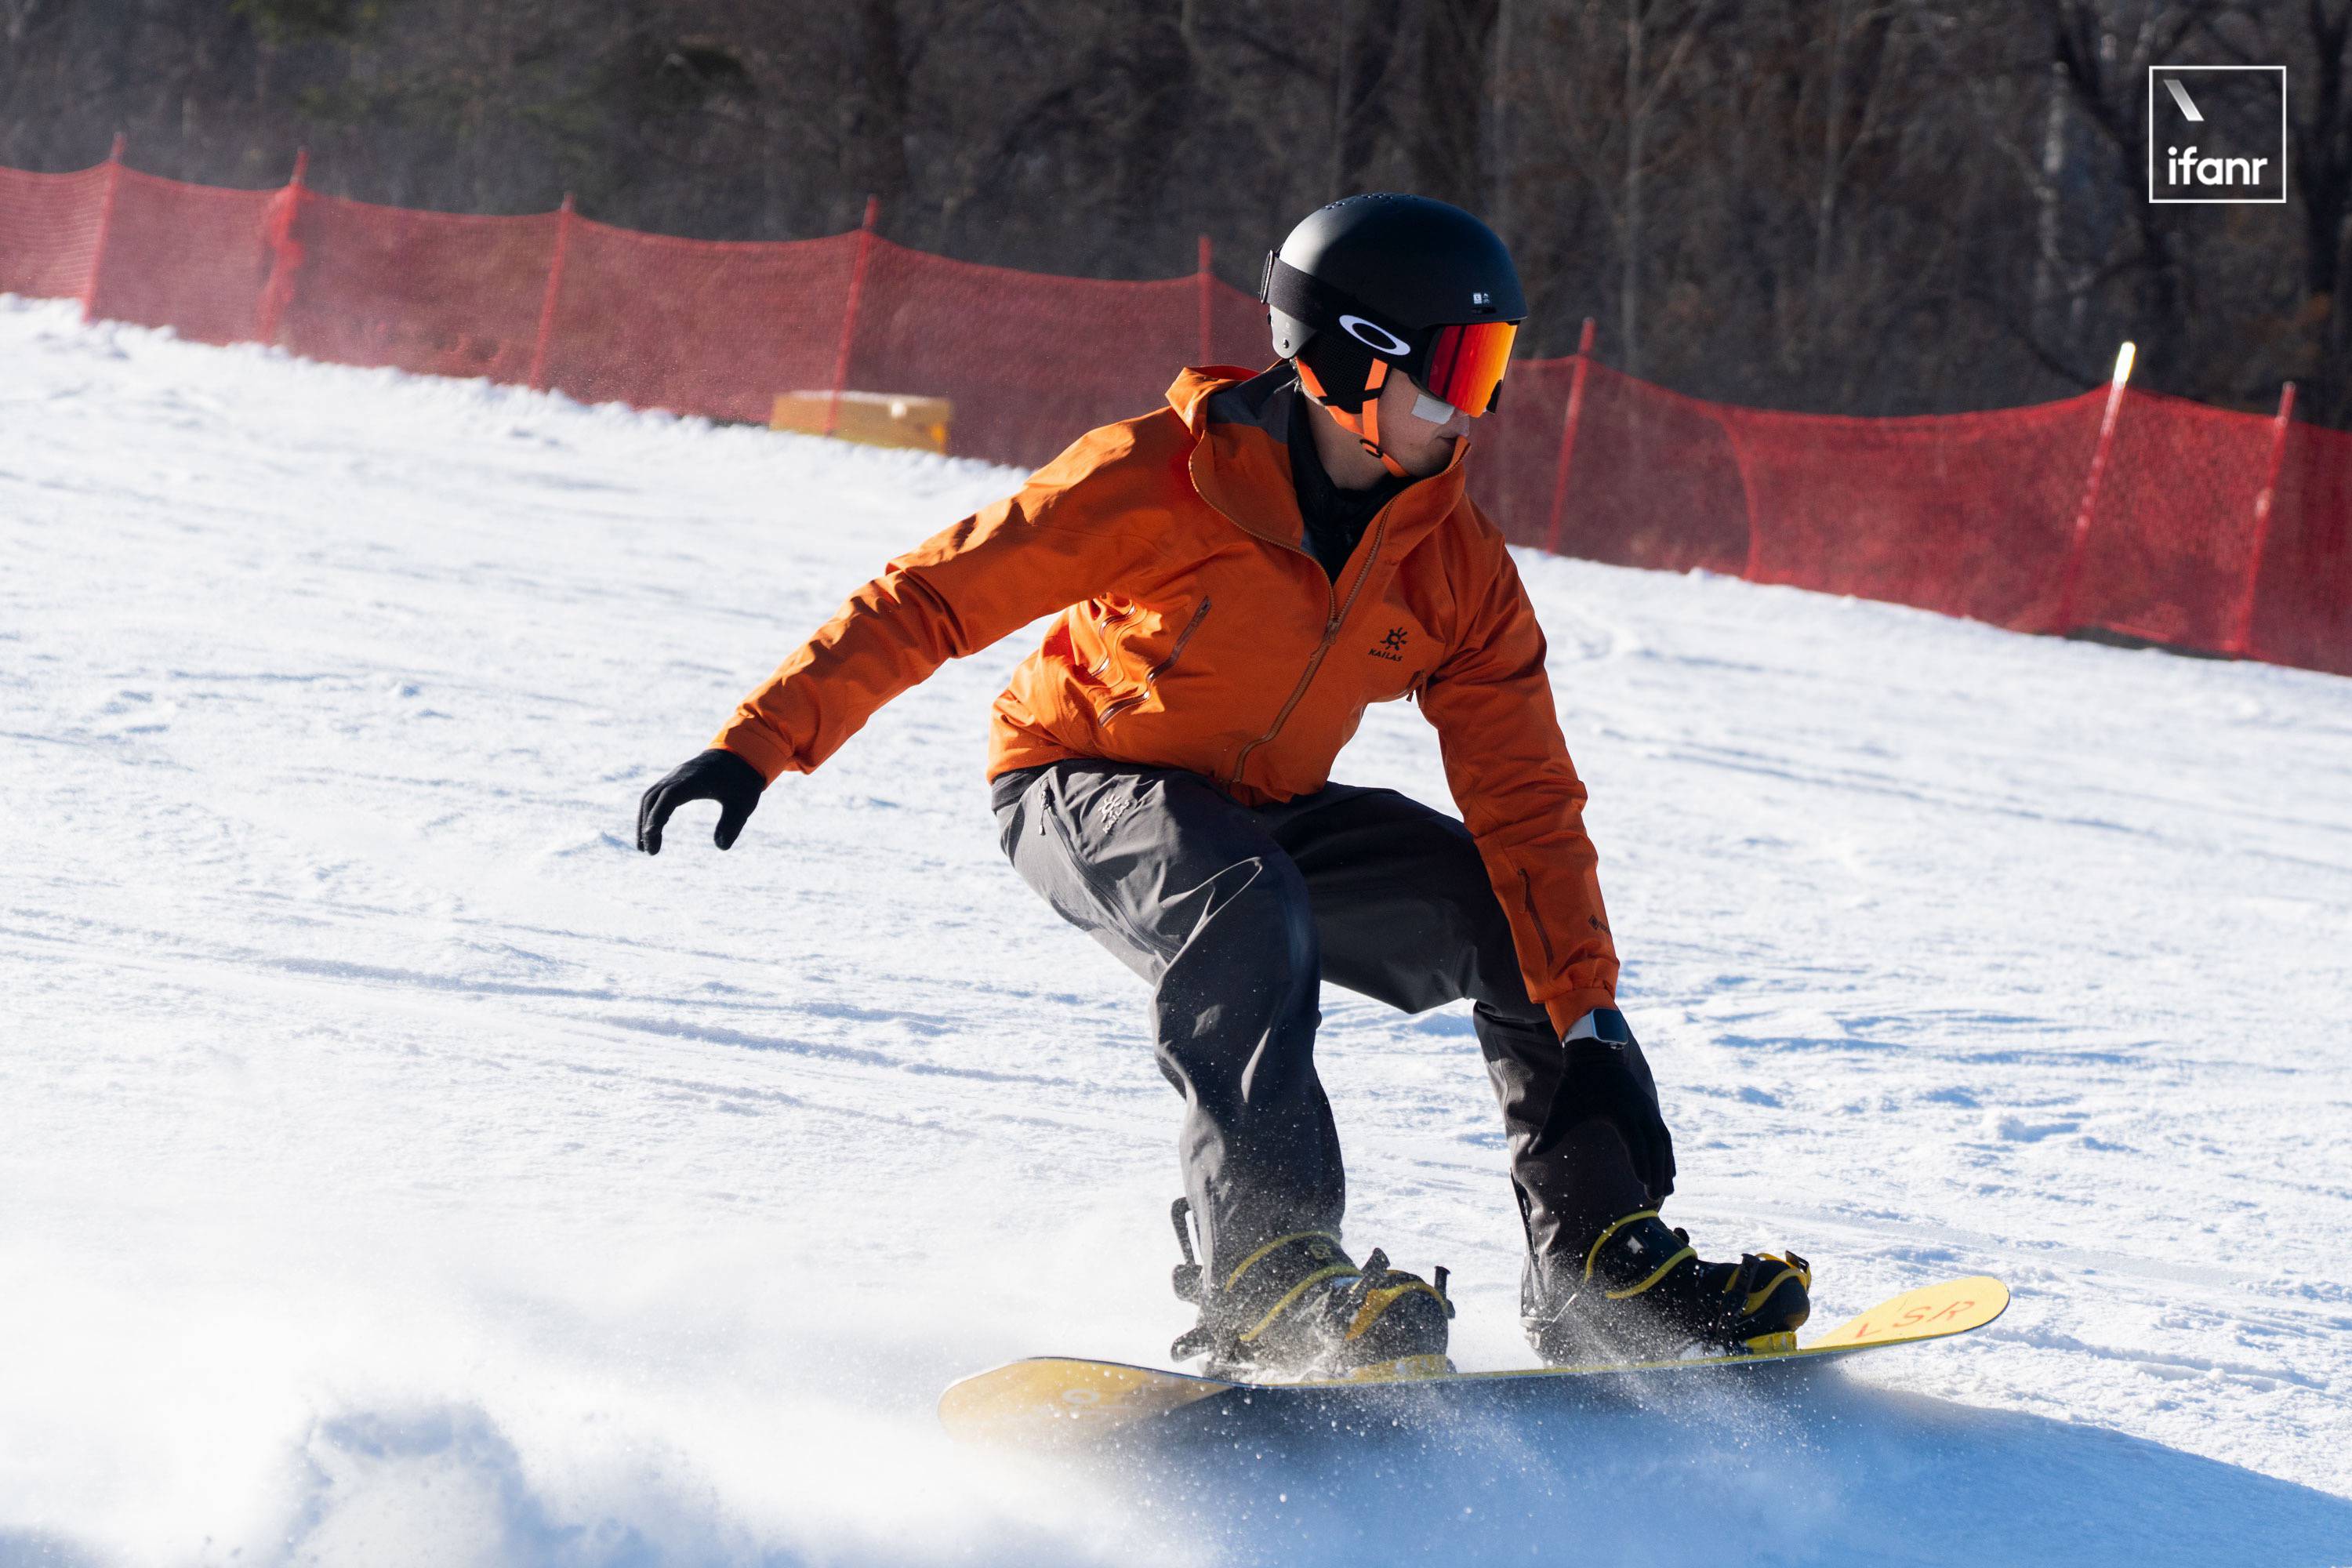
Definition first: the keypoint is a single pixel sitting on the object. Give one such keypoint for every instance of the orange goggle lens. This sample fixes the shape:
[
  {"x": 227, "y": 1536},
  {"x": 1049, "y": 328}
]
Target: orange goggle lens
[{"x": 1466, "y": 363}]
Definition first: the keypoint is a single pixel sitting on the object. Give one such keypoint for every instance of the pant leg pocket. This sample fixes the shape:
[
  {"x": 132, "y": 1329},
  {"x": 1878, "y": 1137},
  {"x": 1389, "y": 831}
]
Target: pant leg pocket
[{"x": 1058, "y": 858}]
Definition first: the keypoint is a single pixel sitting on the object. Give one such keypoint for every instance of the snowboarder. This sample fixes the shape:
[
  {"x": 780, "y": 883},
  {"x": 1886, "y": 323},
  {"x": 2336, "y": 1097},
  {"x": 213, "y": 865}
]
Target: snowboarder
[{"x": 1237, "y": 576}]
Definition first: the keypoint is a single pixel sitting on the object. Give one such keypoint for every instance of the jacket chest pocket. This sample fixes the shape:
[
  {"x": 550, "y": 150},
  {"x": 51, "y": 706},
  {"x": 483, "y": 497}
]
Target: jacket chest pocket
[{"x": 1138, "y": 665}]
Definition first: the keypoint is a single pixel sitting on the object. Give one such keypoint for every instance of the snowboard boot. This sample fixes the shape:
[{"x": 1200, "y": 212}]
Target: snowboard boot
[
  {"x": 1645, "y": 1294},
  {"x": 1298, "y": 1308}
]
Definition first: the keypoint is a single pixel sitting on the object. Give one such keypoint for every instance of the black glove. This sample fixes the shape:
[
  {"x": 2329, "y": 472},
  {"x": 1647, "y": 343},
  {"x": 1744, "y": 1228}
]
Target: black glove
[
  {"x": 1606, "y": 1080},
  {"x": 717, "y": 775}
]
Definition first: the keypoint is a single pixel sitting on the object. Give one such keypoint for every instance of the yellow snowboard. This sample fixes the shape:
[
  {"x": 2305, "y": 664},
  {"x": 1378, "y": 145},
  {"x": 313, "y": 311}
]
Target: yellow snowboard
[{"x": 1055, "y": 1401}]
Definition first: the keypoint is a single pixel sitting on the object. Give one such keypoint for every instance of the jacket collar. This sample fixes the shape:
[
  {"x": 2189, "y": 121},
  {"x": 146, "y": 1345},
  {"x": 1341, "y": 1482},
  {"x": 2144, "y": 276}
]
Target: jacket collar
[{"x": 1240, "y": 464}]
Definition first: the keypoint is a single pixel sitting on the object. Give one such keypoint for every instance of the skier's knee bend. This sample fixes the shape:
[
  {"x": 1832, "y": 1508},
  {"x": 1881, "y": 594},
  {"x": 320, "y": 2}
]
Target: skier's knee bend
[
  {"x": 1240, "y": 995},
  {"x": 1486, "y": 955},
  {"x": 1495, "y": 983},
  {"x": 1264, "y": 925}
]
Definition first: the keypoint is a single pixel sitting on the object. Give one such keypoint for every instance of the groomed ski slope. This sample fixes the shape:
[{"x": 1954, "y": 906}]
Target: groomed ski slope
[{"x": 397, "y": 1168}]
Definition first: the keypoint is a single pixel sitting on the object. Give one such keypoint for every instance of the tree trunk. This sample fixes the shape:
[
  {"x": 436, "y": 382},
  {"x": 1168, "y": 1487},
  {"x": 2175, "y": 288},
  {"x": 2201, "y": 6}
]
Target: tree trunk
[
  {"x": 1456, "y": 60},
  {"x": 2323, "y": 172},
  {"x": 1629, "y": 285},
  {"x": 882, "y": 127},
  {"x": 1366, "y": 44},
  {"x": 1498, "y": 133},
  {"x": 1825, "y": 194},
  {"x": 2047, "y": 215}
]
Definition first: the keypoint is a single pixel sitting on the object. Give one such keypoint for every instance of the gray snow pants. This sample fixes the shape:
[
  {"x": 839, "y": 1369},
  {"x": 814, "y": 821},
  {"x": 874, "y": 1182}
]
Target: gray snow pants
[{"x": 1235, "y": 914}]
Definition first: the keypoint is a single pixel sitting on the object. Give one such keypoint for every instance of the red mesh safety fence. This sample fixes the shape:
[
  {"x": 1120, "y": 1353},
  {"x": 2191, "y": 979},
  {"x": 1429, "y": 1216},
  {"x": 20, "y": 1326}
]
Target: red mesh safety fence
[
  {"x": 1973, "y": 514},
  {"x": 191, "y": 258},
  {"x": 1967, "y": 514},
  {"x": 701, "y": 327},
  {"x": 48, "y": 231},
  {"x": 1514, "y": 447},
  {"x": 2169, "y": 548},
  {"x": 1029, "y": 362},
  {"x": 1653, "y": 480},
  {"x": 2302, "y": 602},
  {"x": 1237, "y": 333},
  {"x": 435, "y": 292}
]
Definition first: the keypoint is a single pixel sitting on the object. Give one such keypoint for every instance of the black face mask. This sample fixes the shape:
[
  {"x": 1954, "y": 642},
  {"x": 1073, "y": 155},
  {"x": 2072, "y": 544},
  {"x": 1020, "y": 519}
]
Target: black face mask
[{"x": 1334, "y": 518}]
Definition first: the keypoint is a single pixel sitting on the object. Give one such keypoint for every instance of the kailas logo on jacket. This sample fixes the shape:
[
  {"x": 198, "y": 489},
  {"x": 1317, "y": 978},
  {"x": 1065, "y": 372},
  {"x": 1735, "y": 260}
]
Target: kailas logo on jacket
[{"x": 1391, "y": 647}]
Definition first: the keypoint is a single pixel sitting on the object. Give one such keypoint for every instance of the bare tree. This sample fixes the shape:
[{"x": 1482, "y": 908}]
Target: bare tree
[
  {"x": 1457, "y": 60},
  {"x": 2321, "y": 168},
  {"x": 1660, "y": 35}
]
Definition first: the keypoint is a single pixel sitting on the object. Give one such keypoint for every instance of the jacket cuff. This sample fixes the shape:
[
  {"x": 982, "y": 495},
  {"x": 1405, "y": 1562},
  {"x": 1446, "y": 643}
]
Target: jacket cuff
[
  {"x": 1568, "y": 1009},
  {"x": 756, "y": 745}
]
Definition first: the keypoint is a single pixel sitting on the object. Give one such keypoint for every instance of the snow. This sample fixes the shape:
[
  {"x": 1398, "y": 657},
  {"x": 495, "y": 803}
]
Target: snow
[{"x": 398, "y": 1168}]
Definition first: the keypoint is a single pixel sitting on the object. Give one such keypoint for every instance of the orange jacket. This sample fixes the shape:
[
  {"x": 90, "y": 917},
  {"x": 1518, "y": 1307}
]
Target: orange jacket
[{"x": 1197, "y": 632}]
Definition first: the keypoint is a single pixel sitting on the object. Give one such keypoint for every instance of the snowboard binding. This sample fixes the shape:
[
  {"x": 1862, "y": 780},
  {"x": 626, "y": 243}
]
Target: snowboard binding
[
  {"x": 1645, "y": 1292},
  {"x": 1298, "y": 1308}
]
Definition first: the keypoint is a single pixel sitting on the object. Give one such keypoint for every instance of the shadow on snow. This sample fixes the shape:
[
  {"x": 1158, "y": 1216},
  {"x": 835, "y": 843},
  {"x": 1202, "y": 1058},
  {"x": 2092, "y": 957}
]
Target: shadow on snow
[{"x": 1790, "y": 1465}]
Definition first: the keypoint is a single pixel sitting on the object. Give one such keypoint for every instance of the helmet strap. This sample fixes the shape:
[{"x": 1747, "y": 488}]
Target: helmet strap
[
  {"x": 1364, "y": 424},
  {"x": 1370, "y": 434}
]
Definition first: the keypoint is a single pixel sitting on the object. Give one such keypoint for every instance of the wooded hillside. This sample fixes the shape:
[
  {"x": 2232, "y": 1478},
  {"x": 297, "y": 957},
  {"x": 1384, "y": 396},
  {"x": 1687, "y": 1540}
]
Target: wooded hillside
[{"x": 1869, "y": 206}]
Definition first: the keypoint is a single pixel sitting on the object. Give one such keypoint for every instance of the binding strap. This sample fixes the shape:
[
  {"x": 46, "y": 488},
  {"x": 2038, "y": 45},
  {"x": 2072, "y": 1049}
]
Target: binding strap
[
  {"x": 1329, "y": 1271},
  {"x": 1245, "y": 1266},
  {"x": 1660, "y": 1272}
]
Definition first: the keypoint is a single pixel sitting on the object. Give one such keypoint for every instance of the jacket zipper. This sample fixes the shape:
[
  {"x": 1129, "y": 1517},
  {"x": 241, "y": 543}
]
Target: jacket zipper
[
  {"x": 1330, "y": 634},
  {"x": 1152, "y": 676},
  {"x": 1110, "y": 648}
]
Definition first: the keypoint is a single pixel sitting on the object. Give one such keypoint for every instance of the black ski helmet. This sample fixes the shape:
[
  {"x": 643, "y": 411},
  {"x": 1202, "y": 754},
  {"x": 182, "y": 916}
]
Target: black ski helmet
[{"x": 1374, "y": 278}]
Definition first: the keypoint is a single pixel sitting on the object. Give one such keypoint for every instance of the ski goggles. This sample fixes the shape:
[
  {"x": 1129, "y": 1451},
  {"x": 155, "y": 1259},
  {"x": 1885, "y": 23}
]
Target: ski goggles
[{"x": 1464, "y": 364}]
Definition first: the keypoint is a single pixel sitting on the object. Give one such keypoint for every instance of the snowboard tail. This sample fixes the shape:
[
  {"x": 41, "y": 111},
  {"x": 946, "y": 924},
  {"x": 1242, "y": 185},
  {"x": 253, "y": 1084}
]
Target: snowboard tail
[{"x": 1064, "y": 1402}]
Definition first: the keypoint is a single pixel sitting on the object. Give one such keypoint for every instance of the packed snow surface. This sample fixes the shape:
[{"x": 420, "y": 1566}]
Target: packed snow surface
[{"x": 395, "y": 1167}]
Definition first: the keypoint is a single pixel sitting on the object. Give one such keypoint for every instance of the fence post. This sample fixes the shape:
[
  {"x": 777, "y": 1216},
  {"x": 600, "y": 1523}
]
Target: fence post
[
  {"x": 2243, "y": 637},
  {"x": 1751, "y": 570},
  {"x": 1208, "y": 314},
  {"x": 537, "y": 379},
  {"x": 105, "y": 228},
  {"x": 2070, "y": 580},
  {"x": 1568, "y": 436},
  {"x": 849, "y": 314},
  {"x": 285, "y": 252}
]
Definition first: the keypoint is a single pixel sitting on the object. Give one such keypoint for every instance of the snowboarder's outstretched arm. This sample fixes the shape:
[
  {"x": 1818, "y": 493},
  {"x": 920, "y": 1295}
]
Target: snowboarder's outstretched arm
[{"x": 1071, "y": 532}]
